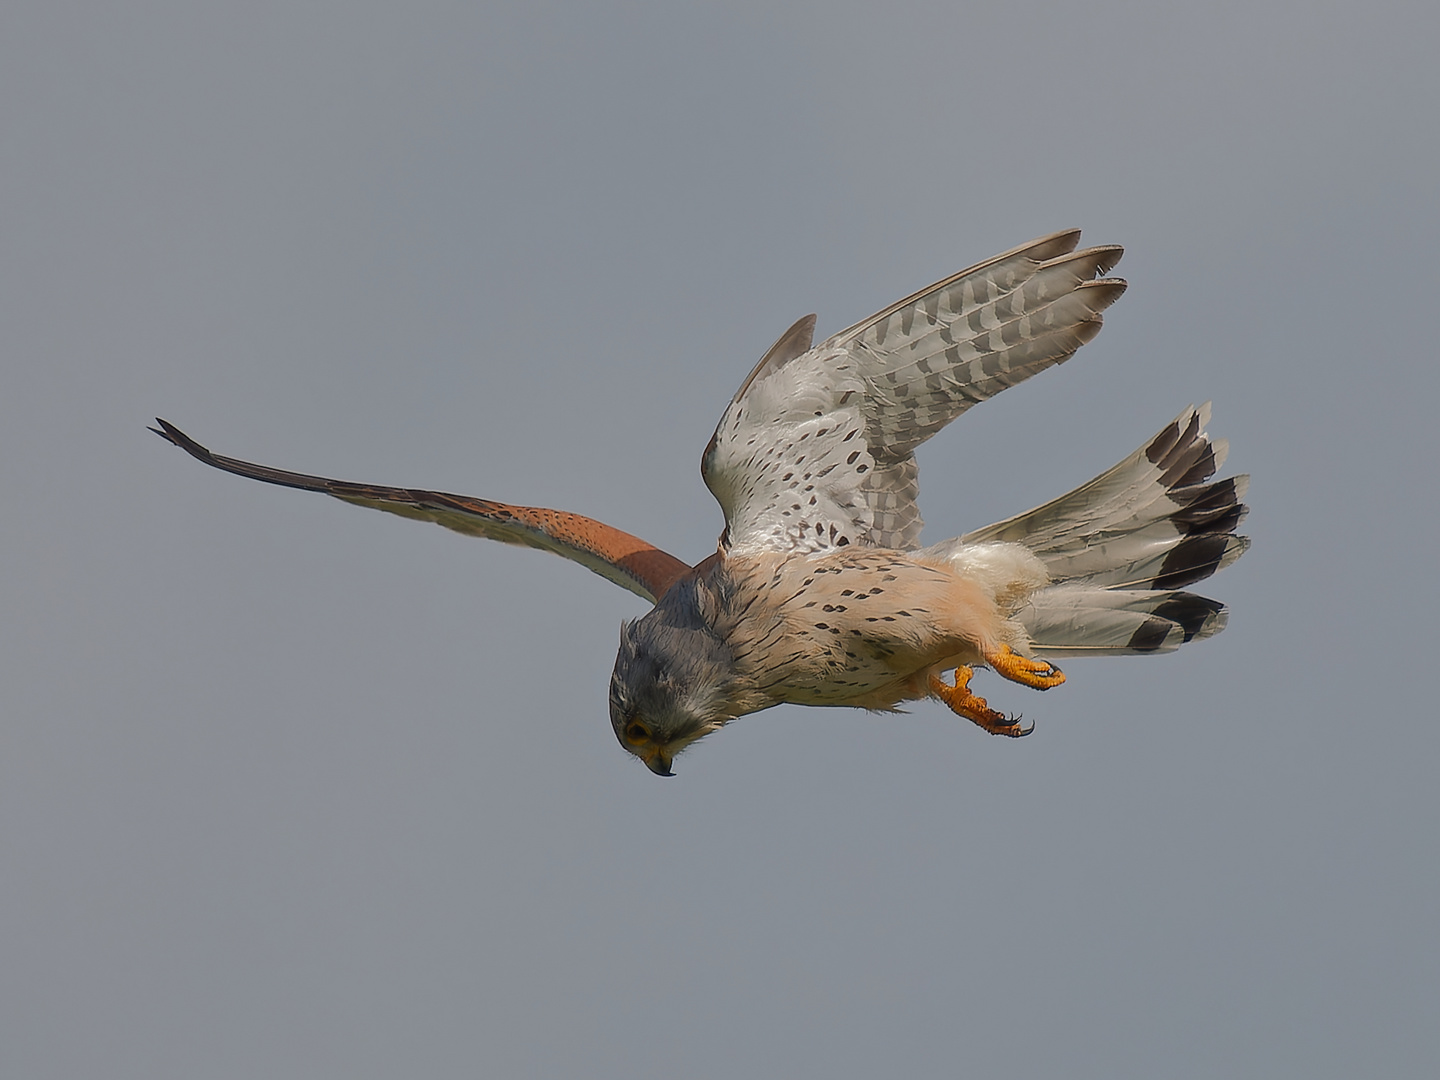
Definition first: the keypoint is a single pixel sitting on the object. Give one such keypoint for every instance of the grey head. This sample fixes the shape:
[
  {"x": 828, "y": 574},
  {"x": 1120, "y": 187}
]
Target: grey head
[{"x": 672, "y": 678}]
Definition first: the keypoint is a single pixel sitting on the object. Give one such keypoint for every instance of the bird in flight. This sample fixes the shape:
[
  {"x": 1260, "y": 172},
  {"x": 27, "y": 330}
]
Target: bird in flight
[{"x": 819, "y": 592}]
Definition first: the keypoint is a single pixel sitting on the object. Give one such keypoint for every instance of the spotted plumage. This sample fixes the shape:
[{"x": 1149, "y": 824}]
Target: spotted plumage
[{"x": 819, "y": 592}]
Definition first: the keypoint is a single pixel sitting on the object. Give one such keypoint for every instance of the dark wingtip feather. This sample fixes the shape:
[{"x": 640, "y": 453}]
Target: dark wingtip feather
[
  {"x": 1203, "y": 506},
  {"x": 1196, "y": 558},
  {"x": 1190, "y": 612},
  {"x": 1190, "y": 460},
  {"x": 1106, "y": 290},
  {"x": 1184, "y": 613},
  {"x": 175, "y": 436},
  {"x": 1109, "y": 256},
  {"x": 1152, "y": 635},
  {"x": 1051, "y": 247},
  {"x": 1164, "y": 442}
]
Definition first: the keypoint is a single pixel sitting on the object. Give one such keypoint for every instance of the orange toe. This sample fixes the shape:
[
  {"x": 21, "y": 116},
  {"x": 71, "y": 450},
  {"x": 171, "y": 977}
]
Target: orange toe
[
  {"x": 974, "y": 708},
  {"x": 1037, "y": 674}
]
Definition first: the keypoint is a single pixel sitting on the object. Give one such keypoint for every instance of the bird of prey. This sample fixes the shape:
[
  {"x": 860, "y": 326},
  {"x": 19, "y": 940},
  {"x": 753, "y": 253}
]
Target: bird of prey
[{"x": 819, "y": 592}]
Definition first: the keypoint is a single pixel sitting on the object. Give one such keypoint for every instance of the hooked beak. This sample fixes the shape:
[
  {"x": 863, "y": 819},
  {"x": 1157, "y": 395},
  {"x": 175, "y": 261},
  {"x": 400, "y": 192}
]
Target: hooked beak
[{"x": 659, "y": 763}]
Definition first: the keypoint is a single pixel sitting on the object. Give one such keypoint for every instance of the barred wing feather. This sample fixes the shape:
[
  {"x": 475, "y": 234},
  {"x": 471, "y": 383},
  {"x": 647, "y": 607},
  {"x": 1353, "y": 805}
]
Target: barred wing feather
[{"x": 885, "y": 385}]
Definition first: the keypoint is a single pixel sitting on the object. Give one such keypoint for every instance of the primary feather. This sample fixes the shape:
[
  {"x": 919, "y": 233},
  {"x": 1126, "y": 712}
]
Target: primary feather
[{"x": 849, "y": 413}]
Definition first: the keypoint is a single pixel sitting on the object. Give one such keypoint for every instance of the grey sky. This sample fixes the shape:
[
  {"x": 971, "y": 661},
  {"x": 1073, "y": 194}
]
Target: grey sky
[{"x": 290, "y": 789}]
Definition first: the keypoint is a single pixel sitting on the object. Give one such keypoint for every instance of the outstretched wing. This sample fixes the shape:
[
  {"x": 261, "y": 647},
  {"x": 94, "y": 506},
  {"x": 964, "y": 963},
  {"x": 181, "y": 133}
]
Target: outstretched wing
[
  {"x": 817, "y": 448},
  {"x": 624, "y": 559}
]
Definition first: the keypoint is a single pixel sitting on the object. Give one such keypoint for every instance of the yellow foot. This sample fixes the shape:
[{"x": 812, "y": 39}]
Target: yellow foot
[
  {"x": 963, "y": 703},
  {"x": 1038, "y": 674}
]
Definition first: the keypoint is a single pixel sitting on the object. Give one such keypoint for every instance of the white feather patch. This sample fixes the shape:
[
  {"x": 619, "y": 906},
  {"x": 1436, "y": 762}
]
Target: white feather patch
[
  {"x": 1009, "y": 573},
  {"x": 790, "y": 460}
]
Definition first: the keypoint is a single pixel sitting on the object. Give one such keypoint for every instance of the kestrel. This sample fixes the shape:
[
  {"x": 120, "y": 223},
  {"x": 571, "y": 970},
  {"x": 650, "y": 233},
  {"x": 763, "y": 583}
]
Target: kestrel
[{"x": 819, "y": 592}]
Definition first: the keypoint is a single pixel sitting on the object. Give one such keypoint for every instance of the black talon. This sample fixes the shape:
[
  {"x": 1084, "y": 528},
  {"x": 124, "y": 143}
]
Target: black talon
[{"x": 1014, "y": 721}]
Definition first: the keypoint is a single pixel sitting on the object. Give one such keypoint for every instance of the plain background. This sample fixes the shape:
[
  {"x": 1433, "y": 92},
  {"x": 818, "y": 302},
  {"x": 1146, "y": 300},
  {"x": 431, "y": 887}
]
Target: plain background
[{"x": 290, "y": 789}]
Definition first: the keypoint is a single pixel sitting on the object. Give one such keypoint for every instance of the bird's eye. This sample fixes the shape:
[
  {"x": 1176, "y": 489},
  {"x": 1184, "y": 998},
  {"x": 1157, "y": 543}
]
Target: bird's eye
[{"x": 636, "y": 732}]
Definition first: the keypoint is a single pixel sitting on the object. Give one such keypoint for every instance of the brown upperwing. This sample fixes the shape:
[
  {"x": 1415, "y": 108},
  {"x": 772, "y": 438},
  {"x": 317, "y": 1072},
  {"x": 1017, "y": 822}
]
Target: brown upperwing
[{"x": 624, "y": 559}]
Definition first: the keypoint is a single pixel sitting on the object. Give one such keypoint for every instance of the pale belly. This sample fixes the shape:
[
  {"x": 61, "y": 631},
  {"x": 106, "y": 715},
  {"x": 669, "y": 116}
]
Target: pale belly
[{"x": 862, "y": 627}]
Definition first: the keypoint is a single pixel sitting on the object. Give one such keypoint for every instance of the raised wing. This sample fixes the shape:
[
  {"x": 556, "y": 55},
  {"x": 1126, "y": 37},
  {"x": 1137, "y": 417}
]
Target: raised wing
[
  {"x": 624, "y": 559},
  {"x": 817, "y": 448}
]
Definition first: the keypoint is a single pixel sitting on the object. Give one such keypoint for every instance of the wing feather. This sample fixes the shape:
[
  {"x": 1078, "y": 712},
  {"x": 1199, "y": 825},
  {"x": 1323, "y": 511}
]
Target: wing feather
[
  {"x": 885, "y": 385},
  {"x": 617, "y": 556},
  {"x": 948, "y": 356}
]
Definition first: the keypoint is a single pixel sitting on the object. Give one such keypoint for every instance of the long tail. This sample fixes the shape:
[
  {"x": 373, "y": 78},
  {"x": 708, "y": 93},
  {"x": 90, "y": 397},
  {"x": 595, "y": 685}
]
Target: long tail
[{"x": 1121, "y": 549}]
